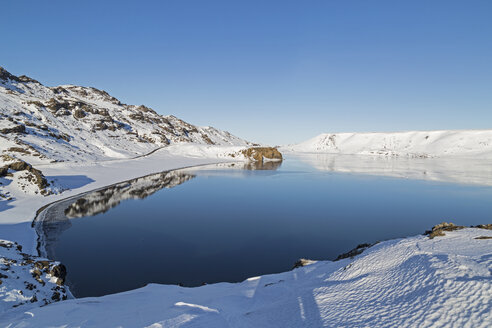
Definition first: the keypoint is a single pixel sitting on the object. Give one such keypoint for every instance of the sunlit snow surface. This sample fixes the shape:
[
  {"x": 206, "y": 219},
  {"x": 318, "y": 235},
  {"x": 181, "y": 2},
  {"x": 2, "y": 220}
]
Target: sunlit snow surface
[
  {"x": 411, "y": 144},
  {"x": 412, "y": 282}
]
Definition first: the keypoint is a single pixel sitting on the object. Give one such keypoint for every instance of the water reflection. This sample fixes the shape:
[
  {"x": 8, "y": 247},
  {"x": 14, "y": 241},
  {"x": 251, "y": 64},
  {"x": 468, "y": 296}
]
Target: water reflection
[
  {"x": 454, "y": 170},
  {"x": 54, "y": 220},
  {"x": 102, "y": 200},
  {"x": 265, "y": 165},
  {"x": 238, "y": 220}
]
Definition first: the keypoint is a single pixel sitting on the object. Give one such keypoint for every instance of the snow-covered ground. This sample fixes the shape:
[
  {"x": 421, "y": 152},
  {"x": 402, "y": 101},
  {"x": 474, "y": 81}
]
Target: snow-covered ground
[
  {"x": 415, "y": 144},
  {"x": 411, "y": 282}
]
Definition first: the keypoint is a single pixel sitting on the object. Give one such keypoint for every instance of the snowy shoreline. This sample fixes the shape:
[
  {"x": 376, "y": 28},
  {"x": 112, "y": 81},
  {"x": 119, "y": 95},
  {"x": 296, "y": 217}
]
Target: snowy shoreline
[{"x": 413, "y": 281}]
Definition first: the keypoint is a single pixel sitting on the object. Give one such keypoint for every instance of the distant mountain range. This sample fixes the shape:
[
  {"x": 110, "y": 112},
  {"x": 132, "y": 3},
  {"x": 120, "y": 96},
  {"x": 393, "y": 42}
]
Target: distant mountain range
[{"x": 419, "y": 144}]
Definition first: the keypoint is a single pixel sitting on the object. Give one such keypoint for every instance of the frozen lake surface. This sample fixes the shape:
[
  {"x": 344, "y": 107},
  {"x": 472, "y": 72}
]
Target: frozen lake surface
[{"x": 224, "y": 223}]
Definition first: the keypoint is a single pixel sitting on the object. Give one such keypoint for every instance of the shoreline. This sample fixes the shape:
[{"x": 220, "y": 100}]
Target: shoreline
[
  {"x": 427, "y": 268},
  {"x": 40, "y": 216}
]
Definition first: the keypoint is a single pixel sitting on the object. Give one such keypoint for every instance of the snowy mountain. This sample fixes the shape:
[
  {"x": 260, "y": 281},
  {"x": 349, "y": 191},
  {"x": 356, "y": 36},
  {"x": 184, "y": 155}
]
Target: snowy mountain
[
  {"x": 465, "y": 143},
  {"x": 40, "y": 125},
  {"x": 71, "y": 123}
]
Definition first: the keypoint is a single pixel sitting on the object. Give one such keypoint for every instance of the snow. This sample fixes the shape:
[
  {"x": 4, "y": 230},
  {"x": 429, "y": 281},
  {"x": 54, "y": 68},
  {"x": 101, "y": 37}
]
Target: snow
[
  {"x": 20, "y": 286},
  {"x": 414, "y": 144},
  {"x": 416, "y": 281},
  {"x": 82, "y": 138},
  {"x": 16, "y": 218}
]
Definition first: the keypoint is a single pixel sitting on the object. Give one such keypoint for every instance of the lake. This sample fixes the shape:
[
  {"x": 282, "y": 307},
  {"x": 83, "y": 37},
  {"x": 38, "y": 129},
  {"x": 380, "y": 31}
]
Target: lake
[{"x": 229, "y": 222}]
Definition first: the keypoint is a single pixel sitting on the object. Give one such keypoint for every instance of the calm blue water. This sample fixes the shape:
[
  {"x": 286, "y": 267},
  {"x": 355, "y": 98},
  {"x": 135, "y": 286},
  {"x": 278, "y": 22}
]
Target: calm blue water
[{"x": 228, "y": 225}]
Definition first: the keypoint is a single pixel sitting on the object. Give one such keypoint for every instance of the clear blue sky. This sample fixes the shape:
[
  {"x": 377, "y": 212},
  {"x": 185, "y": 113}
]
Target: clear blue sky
[{"x": 269, "y": 71}]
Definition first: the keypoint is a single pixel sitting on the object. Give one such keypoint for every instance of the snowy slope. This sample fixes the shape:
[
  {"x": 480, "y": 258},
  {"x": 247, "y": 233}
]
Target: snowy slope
[
  {"x": 72, "y": 123},
  {"x": 465, "y": 143},
  {"x": 411, "y": 282},
  {"x": 40, "y": 125}
]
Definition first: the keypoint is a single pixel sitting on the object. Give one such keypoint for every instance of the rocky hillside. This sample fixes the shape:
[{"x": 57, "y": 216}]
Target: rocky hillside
[
  {"x": 464, "y": 143},
  {"x": 72, "y": 123},
  {"x": 41, "y": 125}
]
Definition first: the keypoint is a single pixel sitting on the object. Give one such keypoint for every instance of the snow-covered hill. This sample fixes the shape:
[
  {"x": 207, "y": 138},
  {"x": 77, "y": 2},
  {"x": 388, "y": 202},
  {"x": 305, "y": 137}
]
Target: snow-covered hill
[
  {"x": 411, "y": 282},
  {"x": 465, "y": 143},
  {"x": 73, "y": 123},
  {"x": 40, "y": 125}
]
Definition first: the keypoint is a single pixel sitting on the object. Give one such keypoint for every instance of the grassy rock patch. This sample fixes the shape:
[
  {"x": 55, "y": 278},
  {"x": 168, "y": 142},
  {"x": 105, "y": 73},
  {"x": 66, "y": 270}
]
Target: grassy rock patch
[
  {"x": 438, "y": 230},
  {"x": 36, "y": 176},
  {"x": 259, "y": 153},
  {"x": 19, "y": 128},
  {"x": 484, "y": 226},
  {"x": 302, "y": 263}
]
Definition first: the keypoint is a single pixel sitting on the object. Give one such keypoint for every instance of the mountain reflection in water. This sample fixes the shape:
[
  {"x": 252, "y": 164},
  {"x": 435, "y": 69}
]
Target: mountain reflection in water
[{"x": 102, "y": 200}]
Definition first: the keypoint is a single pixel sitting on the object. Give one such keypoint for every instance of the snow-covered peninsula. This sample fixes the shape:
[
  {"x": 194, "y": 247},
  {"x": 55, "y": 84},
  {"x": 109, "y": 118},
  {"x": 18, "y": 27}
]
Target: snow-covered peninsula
[{"x": 421, "y": 144}]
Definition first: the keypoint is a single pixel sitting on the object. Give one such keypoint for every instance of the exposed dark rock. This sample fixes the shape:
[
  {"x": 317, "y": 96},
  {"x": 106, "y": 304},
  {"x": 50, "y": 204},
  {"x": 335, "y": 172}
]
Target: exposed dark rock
[
  {"x": 24, "y": 78},
  {"x": 60, "y": 136},
  {"x": 484, "y": 226},
  {"x": 30, "y": 286},
  {"x": 19, "y": 166},
  {"x": 144, "y": 109},
  {"x": 207, "y": 139},
  {"x": 79, "y": 113},
  {"x": 99, "y": 126},
  {"x": 354, "y": 252},
  {"x": 19, "y": 128},
  {"x": 42, "y": 265},
  {"x": 302, "y": 262},
  {"x": 19, "y": 150},
  {"x": 5, "y": 75},
  {"x": 59, "y": 90},
  {"x": 59, "y": 271},
  {"x": 56, "y": 296},
  {"x": 35, "y": 102}
]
